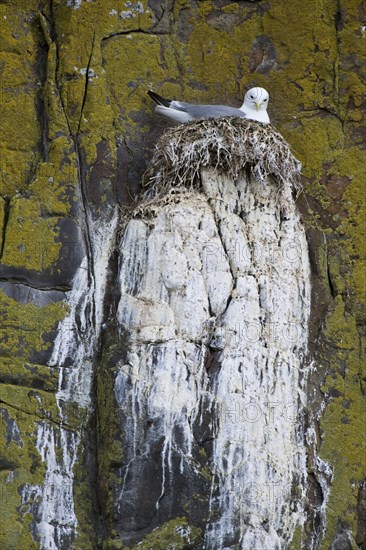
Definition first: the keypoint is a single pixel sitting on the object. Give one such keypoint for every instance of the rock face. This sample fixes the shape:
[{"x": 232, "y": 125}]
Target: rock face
[
  {"x": 209, "y": 381},
  {"x": 82, "y": 324}
]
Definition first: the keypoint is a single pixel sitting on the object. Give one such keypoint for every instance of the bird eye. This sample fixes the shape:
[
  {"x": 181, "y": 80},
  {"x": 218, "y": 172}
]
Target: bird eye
[
  {"x": 265, "y": 99},
  {"x": 252, "y": 96}
]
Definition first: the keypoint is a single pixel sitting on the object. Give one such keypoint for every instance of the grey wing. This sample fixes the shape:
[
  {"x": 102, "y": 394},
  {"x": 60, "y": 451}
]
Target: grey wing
[
  {"x": 208, "y": 111},
  {"x": 180, "y": 106}
]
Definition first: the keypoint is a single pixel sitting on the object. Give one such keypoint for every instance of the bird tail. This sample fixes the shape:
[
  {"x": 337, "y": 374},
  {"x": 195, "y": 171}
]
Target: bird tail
[{"x": 159, "y": 99}]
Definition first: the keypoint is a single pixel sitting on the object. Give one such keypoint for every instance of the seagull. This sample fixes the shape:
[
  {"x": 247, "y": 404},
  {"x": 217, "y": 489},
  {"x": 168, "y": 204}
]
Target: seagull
[{"x": 253, "y": 108}]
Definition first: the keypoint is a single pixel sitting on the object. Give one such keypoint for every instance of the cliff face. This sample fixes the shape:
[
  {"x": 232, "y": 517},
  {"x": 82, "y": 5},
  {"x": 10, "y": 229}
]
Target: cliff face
[
  {"x": 77, "y": 131},
  {"x": 209, "y": 370}
]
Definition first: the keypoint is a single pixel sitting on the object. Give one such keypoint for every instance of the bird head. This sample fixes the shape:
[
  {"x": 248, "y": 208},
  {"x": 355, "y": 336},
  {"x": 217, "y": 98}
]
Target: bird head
[{"x": 256, "y": 98}]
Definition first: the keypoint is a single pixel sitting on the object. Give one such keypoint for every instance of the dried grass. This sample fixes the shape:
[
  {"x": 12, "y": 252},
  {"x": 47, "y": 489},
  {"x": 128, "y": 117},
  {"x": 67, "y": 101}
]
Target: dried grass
[{"x": 228, "y": 145}]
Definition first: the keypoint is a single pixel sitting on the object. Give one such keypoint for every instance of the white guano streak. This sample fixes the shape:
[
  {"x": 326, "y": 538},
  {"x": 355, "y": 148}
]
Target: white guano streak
[
  {"x": 259, "y": 452},
  {"x": 76, "y": 339},
  {"x": 227, "y": 268}
]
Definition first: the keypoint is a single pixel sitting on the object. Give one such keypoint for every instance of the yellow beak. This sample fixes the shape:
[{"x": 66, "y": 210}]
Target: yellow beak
[{"x": 257, "y": 105}]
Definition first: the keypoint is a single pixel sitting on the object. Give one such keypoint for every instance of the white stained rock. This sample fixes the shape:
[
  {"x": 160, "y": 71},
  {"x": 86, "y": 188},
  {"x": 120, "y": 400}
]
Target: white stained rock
[
  {"x": 224, "y": 265},
  {"x": 178, "y": 269},
  {"x": 73, "y": 354}
]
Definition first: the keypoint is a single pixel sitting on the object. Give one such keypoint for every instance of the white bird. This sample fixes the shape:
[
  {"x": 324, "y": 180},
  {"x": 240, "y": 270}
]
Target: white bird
[{"x": 253, "y": 108}]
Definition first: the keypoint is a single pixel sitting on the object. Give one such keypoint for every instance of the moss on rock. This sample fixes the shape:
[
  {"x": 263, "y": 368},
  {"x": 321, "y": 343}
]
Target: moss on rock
[
  {"x": 75, "y": 111},
  {"x": 30, "y": 238},
  {"x": 24, "y": 327},
  {"x": 175, "y": 534}
]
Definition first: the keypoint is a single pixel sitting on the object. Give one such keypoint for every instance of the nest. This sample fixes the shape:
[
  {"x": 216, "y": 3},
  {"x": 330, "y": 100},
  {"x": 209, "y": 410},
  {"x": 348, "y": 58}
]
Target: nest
[{"x": 230, "y": 145}]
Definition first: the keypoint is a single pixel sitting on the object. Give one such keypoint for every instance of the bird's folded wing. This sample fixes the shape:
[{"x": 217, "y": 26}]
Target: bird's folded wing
[
  {"x": 180, "y": 106},
  {"x": 206, "y": 111}
]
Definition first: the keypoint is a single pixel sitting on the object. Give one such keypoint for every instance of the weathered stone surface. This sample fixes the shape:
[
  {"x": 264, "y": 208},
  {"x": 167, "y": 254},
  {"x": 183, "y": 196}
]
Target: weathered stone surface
[
  {"x": 77, "y": 131},
  {"x": 225, "y": 275}
]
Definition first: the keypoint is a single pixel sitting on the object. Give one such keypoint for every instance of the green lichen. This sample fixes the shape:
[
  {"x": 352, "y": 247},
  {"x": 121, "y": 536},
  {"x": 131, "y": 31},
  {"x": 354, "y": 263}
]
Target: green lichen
[
  {"x": 24, "y": 330},
  {"x": 84, "y": 500},
  {"x": 19, "y": 371},
  {"x": 19, "y": 470},
  {"x": 2, "y": 218},
  {"x": 110, "y": 446},
  {"x": 24, "y": 327},
  {"x": 30, "y": 239},
  {"x": 175, "y": 534},
  {"x": 316, "y": 89},
  {"x": 20, "y": 459},
  {"x": 343, "y": 420},
  {"x": 20, "y": 128},
  {"x": 128, "y": 88},
  {"x": 30, "y": 401},
  {"x": 16, "y": 167},
  {"x": 53, "y": 186},
  {"x": 297, "y": 539}
]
